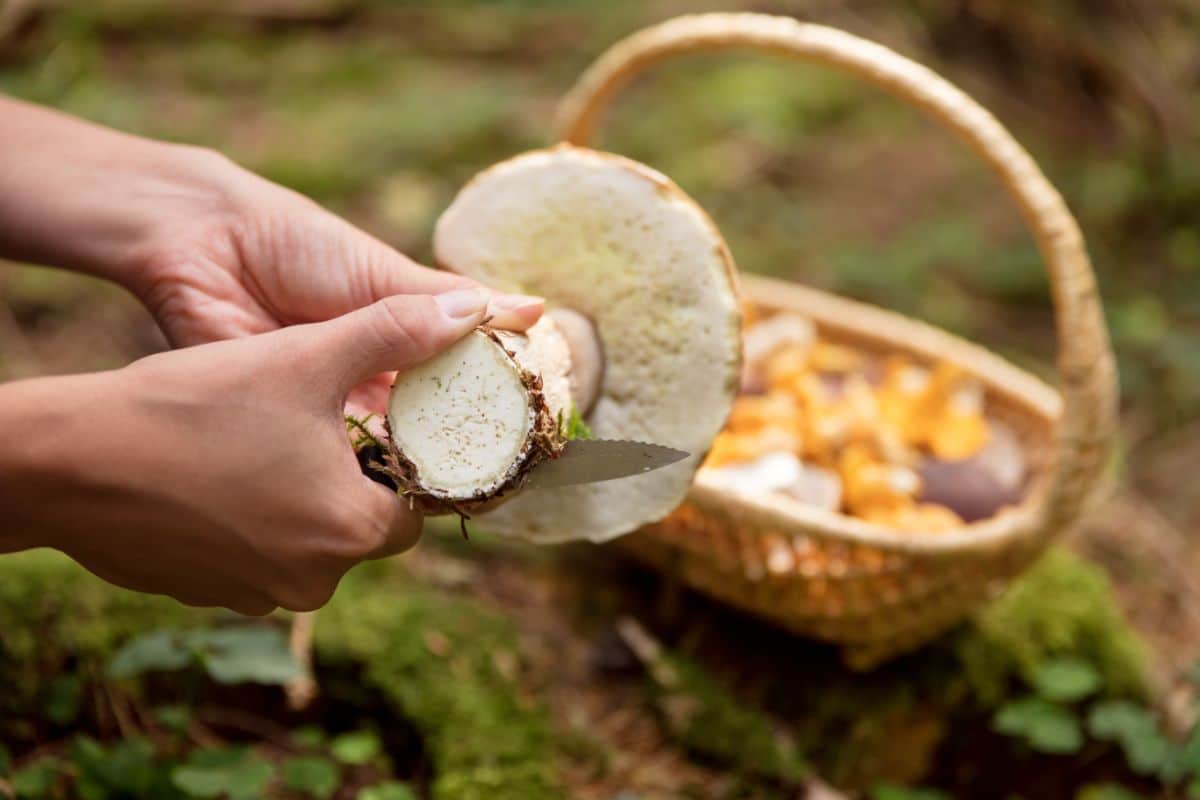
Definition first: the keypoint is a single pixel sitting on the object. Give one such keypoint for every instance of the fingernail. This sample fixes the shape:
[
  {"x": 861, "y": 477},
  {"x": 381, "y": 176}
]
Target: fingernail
[
  {"x": 514, "y": 302},
  {"x": 463, "y": 303}
]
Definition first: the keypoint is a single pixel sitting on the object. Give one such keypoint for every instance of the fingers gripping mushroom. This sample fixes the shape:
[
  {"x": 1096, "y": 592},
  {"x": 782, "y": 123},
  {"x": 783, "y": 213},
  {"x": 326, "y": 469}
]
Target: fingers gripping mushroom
[{"x": 643, "y": 338}]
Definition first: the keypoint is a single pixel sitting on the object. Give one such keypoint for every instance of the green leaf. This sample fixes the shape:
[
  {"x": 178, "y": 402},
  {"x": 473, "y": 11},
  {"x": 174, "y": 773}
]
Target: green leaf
[
  {"x": 248, "y": 655},
  {"x": 1045, "y": 726},
  {"x": 1189, "y": 751},
  {"x": 1112, "y": 719},
  {"x": 1066, "y": 680},
  {"x": 157, "y": 650},
  {"x": 388, "y": 790},
  {"x": 1148, "y": 754},
  {"x": 174, "y": 718},
  {"x": 36, "y": 780},
  {"x": 309, "y": 736},
  {"x": 313, "y": 775},
  {"x": 231, "y": 773},
  {"x": 1107, "y": 791},
  {"x": 357, "y": 747},
  {"x": 1136, "y": 730},
  {"x": 888, "y": 791},
  {"x": 63, "y": 698},
  {"x": 126, "y": 769},
  {"x": 5, "y": 760}
]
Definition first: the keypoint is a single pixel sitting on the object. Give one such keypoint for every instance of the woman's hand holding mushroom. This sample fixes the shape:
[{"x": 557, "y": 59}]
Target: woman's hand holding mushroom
[{"x": 220, "y": 474}]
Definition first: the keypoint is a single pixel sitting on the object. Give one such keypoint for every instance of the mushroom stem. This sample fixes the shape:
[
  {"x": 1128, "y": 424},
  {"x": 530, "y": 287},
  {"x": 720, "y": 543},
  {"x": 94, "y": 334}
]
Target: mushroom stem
[
  {"x": 586, "y": 353},
  {"x": 468, "y": 425}
]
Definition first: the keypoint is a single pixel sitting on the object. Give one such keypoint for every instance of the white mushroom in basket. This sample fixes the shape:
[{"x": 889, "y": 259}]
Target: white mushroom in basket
[{"x": 643, "y": 338}]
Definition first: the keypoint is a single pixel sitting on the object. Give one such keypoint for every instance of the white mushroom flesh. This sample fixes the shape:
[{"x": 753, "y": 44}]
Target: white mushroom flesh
[{"x": 462, "y": 418}]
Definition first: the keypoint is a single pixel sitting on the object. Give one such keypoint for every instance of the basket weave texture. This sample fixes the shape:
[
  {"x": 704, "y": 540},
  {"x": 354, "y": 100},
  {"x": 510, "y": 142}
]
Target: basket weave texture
[{"x": 876, "y": 591}]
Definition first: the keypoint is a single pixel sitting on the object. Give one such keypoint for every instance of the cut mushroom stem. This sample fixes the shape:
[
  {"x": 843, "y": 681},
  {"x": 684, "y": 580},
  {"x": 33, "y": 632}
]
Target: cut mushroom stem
[
  {"x": 468, "y": 425},
  {"x": 586, "y": 353}
]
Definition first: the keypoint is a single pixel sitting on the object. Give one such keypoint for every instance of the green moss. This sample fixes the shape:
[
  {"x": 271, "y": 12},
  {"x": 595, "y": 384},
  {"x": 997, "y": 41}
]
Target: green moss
[
  {"x": 48, "y": 602},
  {"x": 445, "y": 662},
  {"x": 889, "y": 724},
  {"x": 574, "y": 426},
  {"x": 1063, "y": 606},
  {"x": 55, "y": 617},
  {"x": 448, "y": 665},
  {"x": 708, "y": 720}
]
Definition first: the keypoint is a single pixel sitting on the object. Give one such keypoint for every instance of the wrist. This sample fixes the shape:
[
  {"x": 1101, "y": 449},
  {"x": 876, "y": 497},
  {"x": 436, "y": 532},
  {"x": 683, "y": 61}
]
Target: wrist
[
  {"x": 41, "y": 466},
  {"x": 183, "y": 199}
]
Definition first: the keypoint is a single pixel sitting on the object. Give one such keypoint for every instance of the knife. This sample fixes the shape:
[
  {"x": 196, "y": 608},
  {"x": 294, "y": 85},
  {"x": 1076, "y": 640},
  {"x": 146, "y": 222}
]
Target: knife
[
  {"x": 582, "y": 461},
  {"x": 593, "y": 460}
]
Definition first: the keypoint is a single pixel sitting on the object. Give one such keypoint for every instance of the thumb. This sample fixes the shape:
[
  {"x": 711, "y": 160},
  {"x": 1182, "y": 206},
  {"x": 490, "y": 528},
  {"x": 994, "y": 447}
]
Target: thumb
[{"x": 398, "y": 332}]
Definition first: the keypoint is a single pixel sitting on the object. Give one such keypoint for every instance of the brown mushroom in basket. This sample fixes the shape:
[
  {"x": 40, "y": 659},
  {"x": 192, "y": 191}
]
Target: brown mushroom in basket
[{"x": 978, "y": 487}]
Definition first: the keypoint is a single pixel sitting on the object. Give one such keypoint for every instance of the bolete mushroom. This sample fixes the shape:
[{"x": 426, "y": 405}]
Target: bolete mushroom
[
  {"x": 643, "y": 338},
  {"x": 468, "y": 424}
]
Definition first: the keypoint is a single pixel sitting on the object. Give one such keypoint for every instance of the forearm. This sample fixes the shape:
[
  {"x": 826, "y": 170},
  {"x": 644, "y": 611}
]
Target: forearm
[{"x": 84, "y": 197}]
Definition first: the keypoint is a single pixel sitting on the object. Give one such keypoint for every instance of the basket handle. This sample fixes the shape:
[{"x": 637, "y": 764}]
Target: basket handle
[{"x": 1085, "y": 362}]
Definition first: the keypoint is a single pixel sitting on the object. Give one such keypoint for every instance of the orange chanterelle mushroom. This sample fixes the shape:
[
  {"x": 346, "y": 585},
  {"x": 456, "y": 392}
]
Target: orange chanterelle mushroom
[{"x": 889, "y": 440}]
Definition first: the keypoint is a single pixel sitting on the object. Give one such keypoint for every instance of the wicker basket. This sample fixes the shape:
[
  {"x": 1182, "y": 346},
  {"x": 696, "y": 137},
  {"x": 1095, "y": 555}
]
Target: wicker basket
[{"x": 876, "y": 591}]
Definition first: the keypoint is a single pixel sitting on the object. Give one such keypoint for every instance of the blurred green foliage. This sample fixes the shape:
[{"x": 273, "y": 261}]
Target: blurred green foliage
[
  {"x": 381, "y": 109},
  {"x": 712, "y": 722},
  {"x": 448, "y": 665},
  {"x": 1062, "y": 608},
  {"x": 453, "y": 668}
]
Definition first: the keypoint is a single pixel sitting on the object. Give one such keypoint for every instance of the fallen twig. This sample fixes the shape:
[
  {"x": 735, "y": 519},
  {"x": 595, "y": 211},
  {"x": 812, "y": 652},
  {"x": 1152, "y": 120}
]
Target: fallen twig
[{"x": 302, "y": 691}]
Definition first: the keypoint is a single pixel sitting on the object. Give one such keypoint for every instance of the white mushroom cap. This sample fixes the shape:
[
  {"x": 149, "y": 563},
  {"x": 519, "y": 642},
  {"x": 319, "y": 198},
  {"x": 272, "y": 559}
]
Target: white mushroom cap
[{"x": 622, "y": 245}]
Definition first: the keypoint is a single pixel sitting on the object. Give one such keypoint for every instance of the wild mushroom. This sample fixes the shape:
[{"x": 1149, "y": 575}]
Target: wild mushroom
[
  {"x": 644, "y": 335},
  {"x": 783, "y": 473},
  {"x": 979, "y": 486},
  {"x": 468, "y": 424}
]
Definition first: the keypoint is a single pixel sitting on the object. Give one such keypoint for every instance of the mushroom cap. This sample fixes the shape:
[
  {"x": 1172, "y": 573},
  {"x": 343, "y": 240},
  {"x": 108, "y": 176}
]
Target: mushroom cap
[{"x": 621, "y": 244}]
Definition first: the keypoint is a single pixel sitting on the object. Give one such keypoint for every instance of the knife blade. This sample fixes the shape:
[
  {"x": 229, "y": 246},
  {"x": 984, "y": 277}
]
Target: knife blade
[{"x": 593, "y": 460}]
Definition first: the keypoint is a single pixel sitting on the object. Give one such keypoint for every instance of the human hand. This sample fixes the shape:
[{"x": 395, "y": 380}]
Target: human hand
[
  {"x": 214, "y": 251},
  {"x": 260, "y": 257},
  {"x": 221, "y": 474}
]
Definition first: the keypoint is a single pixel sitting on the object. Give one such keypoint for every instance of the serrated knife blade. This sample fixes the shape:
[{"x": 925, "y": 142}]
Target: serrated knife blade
[{"x": 593, "y": 460}]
